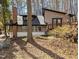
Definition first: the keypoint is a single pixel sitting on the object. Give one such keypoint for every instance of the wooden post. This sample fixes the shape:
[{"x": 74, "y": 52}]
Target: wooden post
[
  {"x": 14, "y": 19},
  {"x": 29, "y": 20}
]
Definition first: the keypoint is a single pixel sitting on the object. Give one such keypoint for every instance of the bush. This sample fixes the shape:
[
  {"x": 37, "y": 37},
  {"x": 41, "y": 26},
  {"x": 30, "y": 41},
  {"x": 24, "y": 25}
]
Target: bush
[
  {"x": 60, "y": 31},
  {"x": 65, "y": 32}
]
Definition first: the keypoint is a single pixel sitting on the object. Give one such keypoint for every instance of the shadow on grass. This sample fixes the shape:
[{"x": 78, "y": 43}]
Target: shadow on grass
[
  {"x": 21, "y": 43},
  {"x": 50, "y": 53}
]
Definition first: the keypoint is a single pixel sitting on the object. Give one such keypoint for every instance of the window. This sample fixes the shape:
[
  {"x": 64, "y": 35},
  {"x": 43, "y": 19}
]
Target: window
[
  {"x": 24, "y": 20},
  {"x": 34, "y": 27},
  {"x": 59, "y": 22},
  {"x": 39, "y": 28},
  {"x": 19, "y": 28},
  {"x": 56, "y": 22},
  {"x": 24, "y": 28}
]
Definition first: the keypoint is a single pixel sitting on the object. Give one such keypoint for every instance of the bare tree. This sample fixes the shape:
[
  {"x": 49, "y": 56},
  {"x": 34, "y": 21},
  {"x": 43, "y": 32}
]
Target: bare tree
[
  {"x": 14, "y": 18},
  {"x": 29, "y": 21}
]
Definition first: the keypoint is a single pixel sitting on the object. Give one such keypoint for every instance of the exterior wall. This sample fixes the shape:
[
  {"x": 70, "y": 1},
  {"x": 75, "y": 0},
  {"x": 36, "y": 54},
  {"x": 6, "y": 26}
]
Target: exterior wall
[
  {"x": 22, "y": 31},
  {"x": 19, "y": 34},
  {"x": 34, "y": 28},
  {"x": 49, "y": 15},
  {"x": 23, "y": 34}
]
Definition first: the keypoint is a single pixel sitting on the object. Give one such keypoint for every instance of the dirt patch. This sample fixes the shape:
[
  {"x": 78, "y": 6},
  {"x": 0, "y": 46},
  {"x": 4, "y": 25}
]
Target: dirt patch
[{"x": 55, "y": 48}]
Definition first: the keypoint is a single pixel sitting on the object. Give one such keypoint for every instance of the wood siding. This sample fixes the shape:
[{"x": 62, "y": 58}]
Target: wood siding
[{"x": 49, "y": 15}]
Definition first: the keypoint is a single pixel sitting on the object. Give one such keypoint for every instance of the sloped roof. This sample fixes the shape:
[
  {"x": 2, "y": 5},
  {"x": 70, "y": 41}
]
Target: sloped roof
[
  {"x": 36, "y": 21},
  {"x": 41, "y": 20},
  {"x": 57, "y": 11}
]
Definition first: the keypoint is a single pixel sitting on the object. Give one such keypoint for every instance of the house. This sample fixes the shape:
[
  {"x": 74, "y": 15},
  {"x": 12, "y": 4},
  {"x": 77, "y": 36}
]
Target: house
[
  {"x": 55, "y": 18},
  {"x": 46, "y": 14},
  {"x": 39, "y": 27}
]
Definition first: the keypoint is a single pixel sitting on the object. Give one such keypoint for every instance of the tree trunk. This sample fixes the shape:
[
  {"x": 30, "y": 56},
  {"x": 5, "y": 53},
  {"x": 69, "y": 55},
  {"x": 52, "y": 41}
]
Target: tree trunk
[
  {"x": 29, "y": 21},
  {"x": 14, "y": 19}
]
